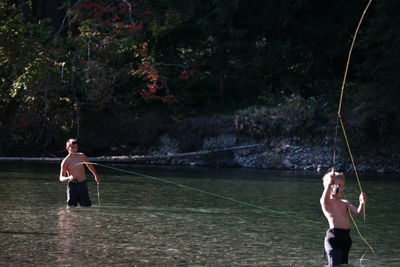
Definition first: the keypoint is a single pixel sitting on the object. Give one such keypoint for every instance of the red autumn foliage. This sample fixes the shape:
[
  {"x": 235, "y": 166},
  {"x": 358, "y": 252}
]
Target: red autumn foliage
[
  {"x": 188, "y": 73},
  {"x": 153, "y": 88},
  {"x": 127, "y": 29},
  {"x": 115, "y": 15}
]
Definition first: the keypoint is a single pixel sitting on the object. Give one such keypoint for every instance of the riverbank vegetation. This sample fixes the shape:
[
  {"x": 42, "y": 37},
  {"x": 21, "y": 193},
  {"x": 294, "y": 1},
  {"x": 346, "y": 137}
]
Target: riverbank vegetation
[{"x": 114, "y": 73}]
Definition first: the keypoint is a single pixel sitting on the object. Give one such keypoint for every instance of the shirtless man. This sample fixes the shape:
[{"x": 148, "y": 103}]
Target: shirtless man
[
  {"x": 337, "y": 240},
  {"x": 73, "y": 172}
]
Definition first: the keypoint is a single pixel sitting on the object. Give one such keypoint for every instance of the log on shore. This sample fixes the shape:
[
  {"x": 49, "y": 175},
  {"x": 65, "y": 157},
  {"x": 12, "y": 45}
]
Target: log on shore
[{"x": 133, "y": 158}]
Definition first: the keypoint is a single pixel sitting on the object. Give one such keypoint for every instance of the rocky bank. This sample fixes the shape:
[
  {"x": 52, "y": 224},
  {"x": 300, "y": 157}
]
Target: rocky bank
[{"x": 209, "y": 141}]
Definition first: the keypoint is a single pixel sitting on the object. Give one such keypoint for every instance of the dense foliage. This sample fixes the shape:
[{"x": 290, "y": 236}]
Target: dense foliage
[{"x": 91, "y": 65}]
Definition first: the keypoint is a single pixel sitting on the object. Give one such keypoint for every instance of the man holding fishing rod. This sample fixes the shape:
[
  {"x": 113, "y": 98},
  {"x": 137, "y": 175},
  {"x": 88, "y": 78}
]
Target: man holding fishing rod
[
  {"x": 73, "y": 172},
  {"x": 336, "y": 210}
]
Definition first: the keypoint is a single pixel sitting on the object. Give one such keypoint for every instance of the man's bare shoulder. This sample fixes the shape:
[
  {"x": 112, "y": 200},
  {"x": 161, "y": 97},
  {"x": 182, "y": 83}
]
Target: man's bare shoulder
[
  {"x": 345, "y": 202},
  {"x": 82, "y": 156},
  {"x": 77, "y": 155},
  {"x": 73, "y": 158},
  {"x": 324, "y": 202},
  {"x": 65, "y": 160}
]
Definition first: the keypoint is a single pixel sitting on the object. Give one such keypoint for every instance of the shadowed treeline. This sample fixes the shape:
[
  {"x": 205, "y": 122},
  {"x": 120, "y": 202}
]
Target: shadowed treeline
[{"x": 106, "y": 69}]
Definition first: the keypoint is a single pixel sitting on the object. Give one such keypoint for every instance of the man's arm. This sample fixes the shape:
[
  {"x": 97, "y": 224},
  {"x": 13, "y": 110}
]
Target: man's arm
[
  {"x": 64, "y": 177},
  {"x": 325, "y": 198},
  {"x": 91, "y": 168},
  {"x": 361, "y": 206}
]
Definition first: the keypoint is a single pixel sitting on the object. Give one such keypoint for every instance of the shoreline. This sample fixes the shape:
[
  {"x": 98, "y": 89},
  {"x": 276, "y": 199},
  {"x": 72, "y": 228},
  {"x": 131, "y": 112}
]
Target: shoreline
[{"x": 282, "y": 156}]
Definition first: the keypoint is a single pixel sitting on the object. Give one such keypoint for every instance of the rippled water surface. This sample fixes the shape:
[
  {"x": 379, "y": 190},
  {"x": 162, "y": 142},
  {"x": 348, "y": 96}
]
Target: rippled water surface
[{"x": 266, "y": 218}]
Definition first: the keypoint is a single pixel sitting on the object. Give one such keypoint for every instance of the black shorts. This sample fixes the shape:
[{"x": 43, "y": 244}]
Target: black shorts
[
  {"x": 78, "y": 192},
  {"x": 337, "y": 246}
]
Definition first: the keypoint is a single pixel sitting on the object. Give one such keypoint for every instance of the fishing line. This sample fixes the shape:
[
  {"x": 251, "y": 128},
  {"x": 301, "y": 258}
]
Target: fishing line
[
  {"x": 208, "y": 193},
  {"x": 339, "y": 117},
  {"x": 98, "y": 194},
  {"x": 359, "y": 233},
  {"x": 339, "y": 120}
]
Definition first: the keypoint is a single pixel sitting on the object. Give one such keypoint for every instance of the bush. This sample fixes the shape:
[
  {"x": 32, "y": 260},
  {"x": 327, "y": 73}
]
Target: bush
[{"x": 294, "y": 116}]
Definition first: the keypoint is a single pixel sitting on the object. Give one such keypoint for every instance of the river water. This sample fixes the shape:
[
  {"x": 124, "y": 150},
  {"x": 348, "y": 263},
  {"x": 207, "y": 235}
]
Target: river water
[{"x": 232, "y": 217}]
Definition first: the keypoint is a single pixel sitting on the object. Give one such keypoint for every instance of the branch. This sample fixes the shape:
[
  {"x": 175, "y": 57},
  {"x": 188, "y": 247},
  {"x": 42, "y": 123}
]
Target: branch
[{"x": 171, "y": 65}]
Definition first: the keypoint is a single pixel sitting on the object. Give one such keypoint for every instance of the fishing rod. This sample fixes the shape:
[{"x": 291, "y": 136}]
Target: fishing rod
[{"x": 340, "y": 121}]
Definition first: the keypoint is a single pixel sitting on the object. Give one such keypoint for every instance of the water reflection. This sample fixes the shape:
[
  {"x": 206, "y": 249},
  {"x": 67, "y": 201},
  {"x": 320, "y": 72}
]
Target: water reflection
[
  {"x": 146, "y": 223},
  {"x": 64, "y": 241}
]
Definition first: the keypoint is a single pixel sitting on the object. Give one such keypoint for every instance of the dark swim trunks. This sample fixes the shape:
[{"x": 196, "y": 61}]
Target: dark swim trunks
[
  {"x": 337, "y": 246},
  {"x": 77, "y": 192}
]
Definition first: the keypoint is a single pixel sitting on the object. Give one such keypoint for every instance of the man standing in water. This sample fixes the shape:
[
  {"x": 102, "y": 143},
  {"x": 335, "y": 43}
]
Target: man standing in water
[
  {"x": 73, "y": 172},
  {"x": 337, "y": 240}
]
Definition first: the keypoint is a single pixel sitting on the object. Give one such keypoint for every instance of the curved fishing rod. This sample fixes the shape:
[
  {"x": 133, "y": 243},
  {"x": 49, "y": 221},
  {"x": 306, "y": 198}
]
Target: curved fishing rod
[
  {"x": 339, "y": 117},
  {"x": 339, "y": 120}
]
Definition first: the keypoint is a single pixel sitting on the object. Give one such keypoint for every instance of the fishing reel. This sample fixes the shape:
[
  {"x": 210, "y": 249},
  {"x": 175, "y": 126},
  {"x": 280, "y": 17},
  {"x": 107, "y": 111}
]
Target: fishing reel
[{"x": 335, "y": 189}]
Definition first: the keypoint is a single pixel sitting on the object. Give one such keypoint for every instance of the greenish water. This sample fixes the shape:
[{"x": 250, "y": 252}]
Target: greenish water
[{"x": 145, "y": 222}]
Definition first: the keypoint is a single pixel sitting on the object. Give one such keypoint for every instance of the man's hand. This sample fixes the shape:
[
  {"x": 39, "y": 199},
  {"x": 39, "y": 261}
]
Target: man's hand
[
  {"x": 363, "y": 198},
  {"x": 332, "y": 178},
  {"x": 329, "y": 179}
]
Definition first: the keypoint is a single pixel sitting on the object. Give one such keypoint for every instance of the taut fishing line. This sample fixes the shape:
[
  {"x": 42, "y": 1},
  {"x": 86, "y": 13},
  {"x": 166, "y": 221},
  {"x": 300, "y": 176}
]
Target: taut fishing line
[
  {"x": 208, "y": 193},
  {"x": 340, "y": 121}
]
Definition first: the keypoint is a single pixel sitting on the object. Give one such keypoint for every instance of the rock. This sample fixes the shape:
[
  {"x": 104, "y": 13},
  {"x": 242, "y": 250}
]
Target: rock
[
  {"x": 381, "y": 170},
  {"x": 309, "y": 167},
  {"x": 287, "y": 164}
]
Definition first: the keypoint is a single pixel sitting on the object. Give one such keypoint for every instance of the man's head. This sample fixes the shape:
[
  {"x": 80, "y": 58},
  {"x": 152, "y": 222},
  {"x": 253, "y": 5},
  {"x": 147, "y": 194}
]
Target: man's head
[
  {"x": 338, "y": 179},
  {"x": 72, "y": 145}
]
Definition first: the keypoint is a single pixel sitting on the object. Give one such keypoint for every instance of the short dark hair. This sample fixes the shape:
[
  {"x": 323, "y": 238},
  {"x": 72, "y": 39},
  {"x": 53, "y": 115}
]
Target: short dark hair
[{"x": 72, "y": 141}]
